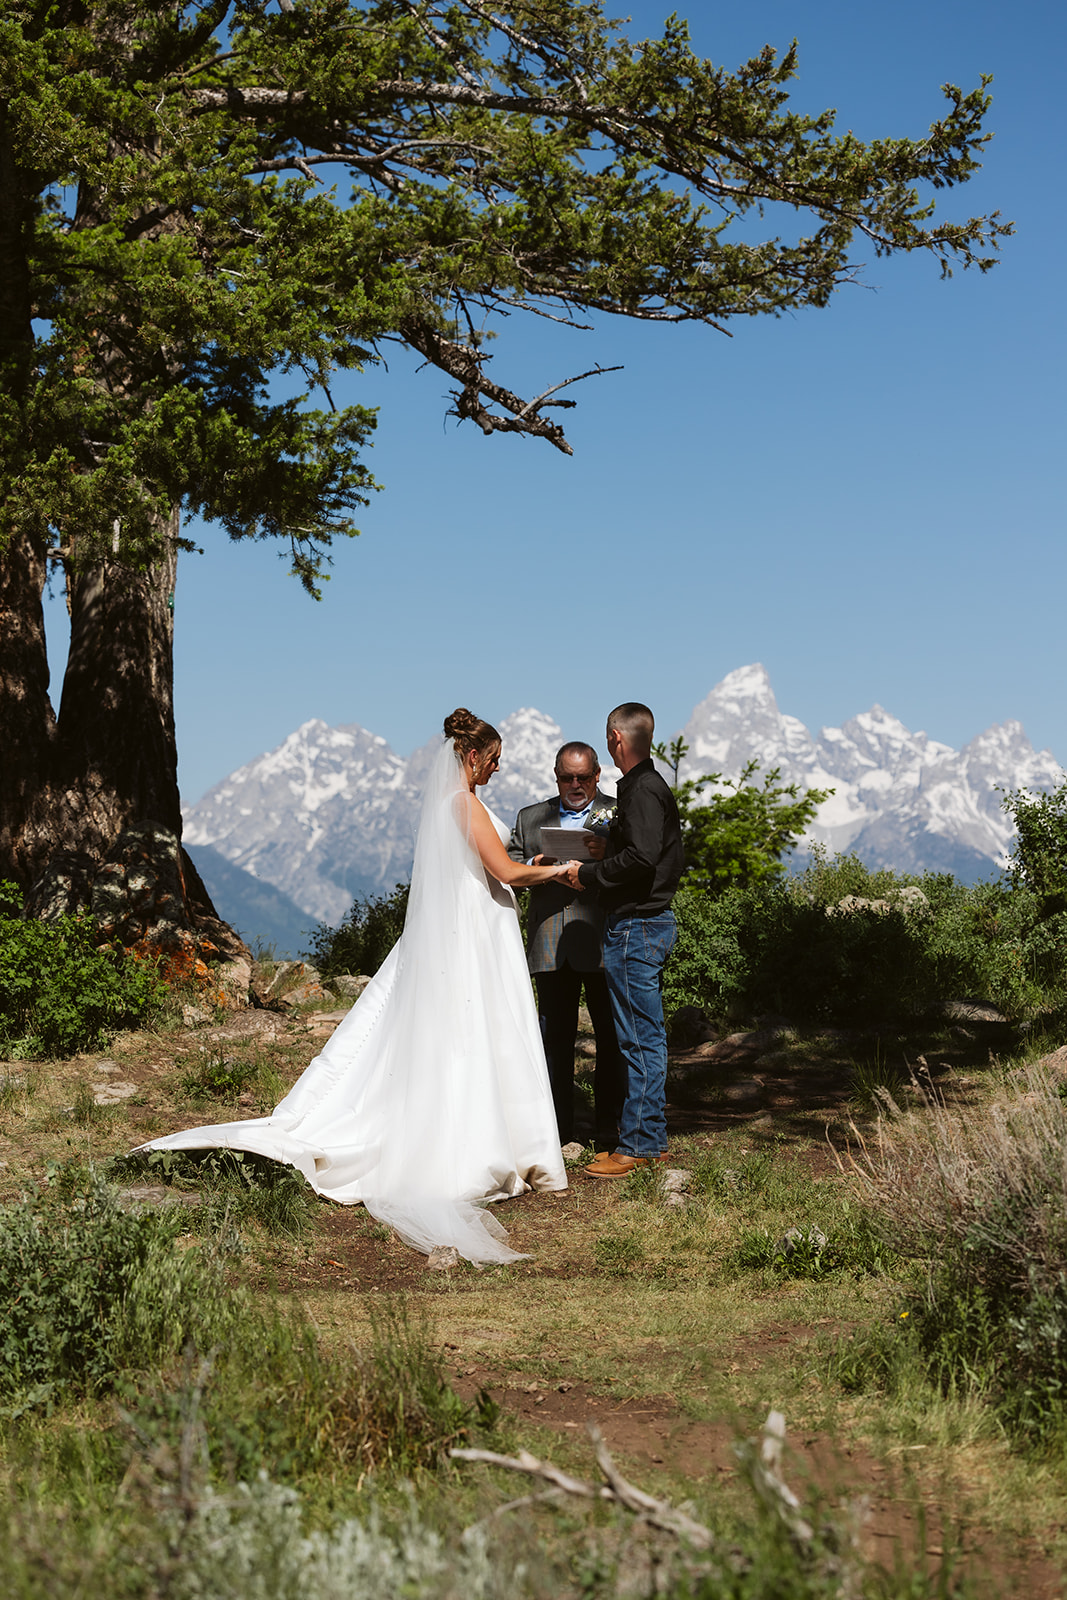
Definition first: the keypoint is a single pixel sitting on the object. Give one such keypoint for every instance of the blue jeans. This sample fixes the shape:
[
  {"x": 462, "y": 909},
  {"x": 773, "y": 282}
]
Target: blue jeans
[{"x": 635, "y": 950}]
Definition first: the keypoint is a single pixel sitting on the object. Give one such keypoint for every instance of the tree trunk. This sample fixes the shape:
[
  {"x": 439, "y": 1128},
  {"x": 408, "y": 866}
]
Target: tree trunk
[
  {"x": 27, "y": 720},
  {"x": 88, "y": 803},
  {"x": 116, "y": 761}
]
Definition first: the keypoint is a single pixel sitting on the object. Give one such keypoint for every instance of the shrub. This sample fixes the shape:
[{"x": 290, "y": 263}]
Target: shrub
[
  {"x": 898, "y": 944},
  {"x": 1040, "y": 857},
  {"x": 88, "y": 1290},
  {"x": 364, "y": 938},
  {"x": 61, "y": 991},
  {"x": 93, "y": 1298},
  {"x": 981, "y": 1200}
]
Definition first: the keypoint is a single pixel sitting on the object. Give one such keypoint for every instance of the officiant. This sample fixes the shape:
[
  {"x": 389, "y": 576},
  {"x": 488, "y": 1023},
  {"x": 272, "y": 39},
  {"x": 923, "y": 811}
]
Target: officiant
[{"x": 563, "y": 949}]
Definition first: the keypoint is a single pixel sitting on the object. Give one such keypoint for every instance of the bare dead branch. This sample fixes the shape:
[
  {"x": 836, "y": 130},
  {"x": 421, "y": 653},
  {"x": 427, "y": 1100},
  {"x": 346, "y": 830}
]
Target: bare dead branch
[
  {"x": 658, "y": 1513},
  {"x": 533, "y": 405},
  {"x": 763, "y": 1468}
]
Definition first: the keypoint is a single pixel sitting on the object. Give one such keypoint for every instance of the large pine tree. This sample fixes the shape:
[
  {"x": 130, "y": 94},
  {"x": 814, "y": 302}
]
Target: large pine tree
[{"x": 198, "y": 199}]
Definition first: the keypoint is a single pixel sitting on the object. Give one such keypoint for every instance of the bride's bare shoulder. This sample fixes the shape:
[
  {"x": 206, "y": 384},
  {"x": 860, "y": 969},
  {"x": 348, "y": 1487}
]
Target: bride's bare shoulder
[{"x": 467, "y": 808}]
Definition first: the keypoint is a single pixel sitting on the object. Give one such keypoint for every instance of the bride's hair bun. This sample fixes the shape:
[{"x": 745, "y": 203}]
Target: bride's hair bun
[
  {"x": 469, "y": 732},
  {"x": 461, "y": 721}
]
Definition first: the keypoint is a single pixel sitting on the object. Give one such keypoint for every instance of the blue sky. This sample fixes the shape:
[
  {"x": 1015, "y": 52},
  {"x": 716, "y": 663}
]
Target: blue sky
[{"x": 867, "y": 499}]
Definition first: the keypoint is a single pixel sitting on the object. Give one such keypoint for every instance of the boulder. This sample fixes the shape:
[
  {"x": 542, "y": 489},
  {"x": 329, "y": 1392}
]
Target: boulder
[
  {"x": 247, "y": 1024},
  {"x": 305, "y": 994},
  {"x": 691, "y": 1026},
  {"x": 112, "y": 1093},
  {"x": 967, "y": 1011},
  {"x": 347, "y": 985},
  {"x": 279, "y": 985}
]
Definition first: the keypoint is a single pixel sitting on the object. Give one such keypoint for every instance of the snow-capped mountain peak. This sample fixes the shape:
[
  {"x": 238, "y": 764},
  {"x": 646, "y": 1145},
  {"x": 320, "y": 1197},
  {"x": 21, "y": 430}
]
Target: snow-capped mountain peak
[{"x": 332, "y": 812}]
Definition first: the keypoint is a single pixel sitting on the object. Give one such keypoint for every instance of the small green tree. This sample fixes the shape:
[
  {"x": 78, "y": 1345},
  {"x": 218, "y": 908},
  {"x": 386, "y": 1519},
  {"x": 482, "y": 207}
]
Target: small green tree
[
  {"x": 739, "y": 836},
  {"x": 1039, "y": 861}
]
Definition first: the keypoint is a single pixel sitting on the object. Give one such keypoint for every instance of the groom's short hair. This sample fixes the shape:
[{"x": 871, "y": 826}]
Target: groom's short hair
[
  {"x": 635, "y": 722},
  {"x": 577, "y": 747}
]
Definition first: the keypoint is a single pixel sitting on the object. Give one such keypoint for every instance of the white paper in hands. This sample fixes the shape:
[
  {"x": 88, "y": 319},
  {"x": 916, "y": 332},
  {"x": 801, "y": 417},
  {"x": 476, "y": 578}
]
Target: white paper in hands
[{"x": 566, "y": 844}]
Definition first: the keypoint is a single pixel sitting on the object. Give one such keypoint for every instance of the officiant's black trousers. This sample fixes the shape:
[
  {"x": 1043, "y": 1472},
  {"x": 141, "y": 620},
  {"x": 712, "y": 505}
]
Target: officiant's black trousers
[{"x": 559, "y": 994}]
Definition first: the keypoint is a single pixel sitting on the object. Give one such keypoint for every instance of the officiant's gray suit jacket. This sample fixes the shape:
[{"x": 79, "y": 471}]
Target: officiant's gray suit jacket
[{"x": 564, "y": 927}]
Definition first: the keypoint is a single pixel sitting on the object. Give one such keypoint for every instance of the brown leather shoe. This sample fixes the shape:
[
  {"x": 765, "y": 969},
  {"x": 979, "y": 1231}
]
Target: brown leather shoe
[{"x": 618, "y": 1165}]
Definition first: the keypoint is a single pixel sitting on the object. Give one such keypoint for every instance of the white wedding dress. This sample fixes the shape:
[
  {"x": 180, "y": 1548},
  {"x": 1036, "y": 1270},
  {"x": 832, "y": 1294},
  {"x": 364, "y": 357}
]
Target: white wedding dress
[{"x": 432, "y": 1097}]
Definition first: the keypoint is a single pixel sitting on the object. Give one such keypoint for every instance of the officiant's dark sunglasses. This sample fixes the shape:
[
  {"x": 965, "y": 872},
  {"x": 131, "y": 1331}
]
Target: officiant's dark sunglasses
[{"x": 575, "y": 777}]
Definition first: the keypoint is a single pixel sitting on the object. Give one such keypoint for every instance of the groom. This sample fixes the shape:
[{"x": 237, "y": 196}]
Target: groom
[
  {"x": 636, "y": 880},
  {"x": 563, "y": 951}
]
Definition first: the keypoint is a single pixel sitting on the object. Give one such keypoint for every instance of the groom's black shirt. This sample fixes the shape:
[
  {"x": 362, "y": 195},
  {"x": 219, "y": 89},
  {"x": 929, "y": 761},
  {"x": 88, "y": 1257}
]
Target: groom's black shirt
[{"x": 639, "y": 874}]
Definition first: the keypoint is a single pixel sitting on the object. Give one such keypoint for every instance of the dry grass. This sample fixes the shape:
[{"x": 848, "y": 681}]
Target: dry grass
[{"x": 941, "y": 1177}]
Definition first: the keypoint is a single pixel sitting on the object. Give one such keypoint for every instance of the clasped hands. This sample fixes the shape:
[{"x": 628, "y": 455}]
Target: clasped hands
[{"x": 568, "y": 873}]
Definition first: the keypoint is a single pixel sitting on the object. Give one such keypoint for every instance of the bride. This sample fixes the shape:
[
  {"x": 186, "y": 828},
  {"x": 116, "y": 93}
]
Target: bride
[{"x": 432, "y": 1097}]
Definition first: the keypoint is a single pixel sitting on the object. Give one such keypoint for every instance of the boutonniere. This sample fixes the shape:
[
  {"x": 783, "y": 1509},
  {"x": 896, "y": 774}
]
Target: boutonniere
[{"x": 600, "y": 819}]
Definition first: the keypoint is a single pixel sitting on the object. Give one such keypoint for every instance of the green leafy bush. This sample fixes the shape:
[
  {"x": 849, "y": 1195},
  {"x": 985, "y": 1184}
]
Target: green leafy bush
[
  {"x": 839, "y": 942},
  {"x": 88, "y": 1290},
  {"x": 364, "y": 938},
  {"x": 61, "y": 991},
  {"x": 96, "y": 1298},
  {"x": 1040, "y": 857}
]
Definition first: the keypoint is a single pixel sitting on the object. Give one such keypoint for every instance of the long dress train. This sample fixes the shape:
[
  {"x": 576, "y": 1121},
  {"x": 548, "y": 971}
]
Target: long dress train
[{"x": 432, "y": 1097}]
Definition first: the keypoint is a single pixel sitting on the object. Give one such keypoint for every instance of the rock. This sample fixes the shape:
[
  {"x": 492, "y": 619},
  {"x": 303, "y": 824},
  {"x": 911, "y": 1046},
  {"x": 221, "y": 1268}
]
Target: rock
[
  {"x": 325, "y": 1021},
  {"x": 291, "y": 983},
  {"x": 724, "y": 1053},
  {"x": 194, "y": 1016},
  {"x": 967, "y": 1011},
  {"x": 111, "y": 1093},
  {"x": 247, "y": 1024},
  {"x": 235, "y": 979},
  {"x": 269, "y": 981},
  {"x": 1056, "y": 1062},
  {"x": 743, "y": 1091},
  {"x": 739, "y": 1049},
  {"x": 347, "y": 985},
  {"x": 675, "y": 1180},
  {"x": 443, "y": 1259},
  {"x": 573, "y": 1151},
  {"x": 142, "y": 1194},
  {"x": 857, "y": 902},
  {"x": 793, "y": 1238},
  {"x": 674, "y": 1200},
  {"x": 152, "y": 1194},
  {"x": 691, "y": 1026},
  {"x": 305, "y": 994},
  {"x": 105, "y": 1066}
]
